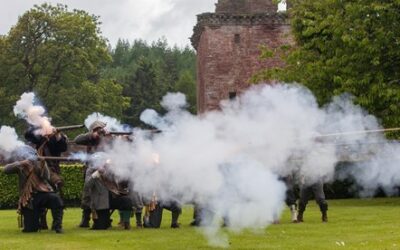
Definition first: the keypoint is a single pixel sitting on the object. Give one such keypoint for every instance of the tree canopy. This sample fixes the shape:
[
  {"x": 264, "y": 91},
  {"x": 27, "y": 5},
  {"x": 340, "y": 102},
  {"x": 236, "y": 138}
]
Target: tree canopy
[
  {"x": 346, "y": 47},
  {"x": 58, "y": 54},
  {"x": 61, "y": 55}
]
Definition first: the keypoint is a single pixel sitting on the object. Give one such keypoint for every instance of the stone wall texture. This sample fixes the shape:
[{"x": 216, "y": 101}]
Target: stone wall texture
[{"x": 228, "y": 47}]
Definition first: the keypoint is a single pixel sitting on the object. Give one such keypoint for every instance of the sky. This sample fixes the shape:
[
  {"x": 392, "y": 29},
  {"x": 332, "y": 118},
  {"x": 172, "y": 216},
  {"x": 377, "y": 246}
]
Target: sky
[{"x": 128, "y": 19}]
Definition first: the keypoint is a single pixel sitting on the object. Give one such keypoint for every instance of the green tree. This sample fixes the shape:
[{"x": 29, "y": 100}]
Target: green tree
[
  {"x": 145, "y": 91},
  {"x": 58, "y": 54},
  {"x": 140, "y": 66},
  {"x": 186, "y": 84},
  {"x": 346, "y": 46}
]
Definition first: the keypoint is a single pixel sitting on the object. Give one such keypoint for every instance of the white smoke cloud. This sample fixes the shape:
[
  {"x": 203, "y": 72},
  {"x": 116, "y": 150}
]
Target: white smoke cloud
[
  {"x": 12, "y": 148},
  {"x": 9, "y": 139},
  {"x": 229, "y": 160},
  {"x": 34, "y": 114}
]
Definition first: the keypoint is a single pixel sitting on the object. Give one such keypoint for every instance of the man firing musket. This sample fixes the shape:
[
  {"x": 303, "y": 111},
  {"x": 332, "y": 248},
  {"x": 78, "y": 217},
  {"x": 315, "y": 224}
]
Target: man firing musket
[
  {"x": 53, "y": 144},
  {"x": 94, "y": 140}
]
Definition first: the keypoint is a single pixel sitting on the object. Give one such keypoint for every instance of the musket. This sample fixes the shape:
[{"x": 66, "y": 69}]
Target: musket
[
  {"x": 358, "y": 132},
  {"x": 58, "y": 158},
  {"x": 71, "y": 127},
  {"x": 119, "y": 133}
]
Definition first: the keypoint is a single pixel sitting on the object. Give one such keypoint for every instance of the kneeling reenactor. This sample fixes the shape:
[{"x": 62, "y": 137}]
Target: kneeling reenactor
[
  {"x": 37, "y": 186},
  {"x": 106, "y": 194}
]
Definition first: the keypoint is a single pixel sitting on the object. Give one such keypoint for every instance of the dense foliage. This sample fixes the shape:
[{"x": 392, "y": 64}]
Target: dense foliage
[
  {"x": 148, "y": 72},
  {"x": 61, "y": 56},
  {"x": 346, "y": 47}
]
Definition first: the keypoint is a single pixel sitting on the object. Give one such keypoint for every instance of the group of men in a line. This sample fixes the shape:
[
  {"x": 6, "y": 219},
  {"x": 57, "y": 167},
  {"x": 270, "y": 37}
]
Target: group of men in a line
[
  {"x": 40, "y": 187},
  {"x": 103, "y": 192}
]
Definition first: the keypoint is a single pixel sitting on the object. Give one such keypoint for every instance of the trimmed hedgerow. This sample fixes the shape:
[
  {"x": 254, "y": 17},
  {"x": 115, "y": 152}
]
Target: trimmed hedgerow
[{"x": 72, "y": 175}]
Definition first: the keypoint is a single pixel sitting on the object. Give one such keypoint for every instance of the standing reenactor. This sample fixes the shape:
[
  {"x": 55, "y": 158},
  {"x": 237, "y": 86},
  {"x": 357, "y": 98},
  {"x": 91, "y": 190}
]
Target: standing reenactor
[
  {"x": 93, "y": 140},
  {"x": 37, "y": 192},
  {"x": 306, "y": 190},
  {"x": 48, "y": 145}
]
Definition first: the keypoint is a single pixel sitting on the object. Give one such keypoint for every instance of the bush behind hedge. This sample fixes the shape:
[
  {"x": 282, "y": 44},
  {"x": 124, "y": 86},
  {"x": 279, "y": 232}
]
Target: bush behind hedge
[{"x": 72, "y": 175}]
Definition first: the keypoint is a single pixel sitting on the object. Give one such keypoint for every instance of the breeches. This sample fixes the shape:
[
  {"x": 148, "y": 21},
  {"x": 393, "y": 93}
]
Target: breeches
[{"x": 40, "y": 201}]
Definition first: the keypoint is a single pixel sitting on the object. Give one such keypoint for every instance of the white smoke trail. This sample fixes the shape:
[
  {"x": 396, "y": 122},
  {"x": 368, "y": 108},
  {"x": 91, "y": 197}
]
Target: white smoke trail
[
  {"x": 34, "y": 114},
  {"x": 112, "y": 124},
  {"x": 11, "y": 147},
  {"x": 8, "y": 141},
  {"x": 229, "y": 160}
]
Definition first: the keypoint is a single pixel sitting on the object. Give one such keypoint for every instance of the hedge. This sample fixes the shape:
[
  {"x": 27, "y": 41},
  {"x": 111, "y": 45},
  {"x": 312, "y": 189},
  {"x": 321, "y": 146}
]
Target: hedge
[
  {"x": 72, "y": 175},
  {"x": 73, "y": 185}
]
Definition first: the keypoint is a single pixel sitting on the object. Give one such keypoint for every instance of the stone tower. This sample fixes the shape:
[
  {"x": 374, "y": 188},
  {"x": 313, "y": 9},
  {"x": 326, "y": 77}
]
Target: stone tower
[{"x": 228, "y": 47}]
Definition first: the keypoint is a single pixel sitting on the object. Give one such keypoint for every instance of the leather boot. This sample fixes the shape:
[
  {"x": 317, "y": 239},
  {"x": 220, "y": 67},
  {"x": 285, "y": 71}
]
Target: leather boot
[
  {"x": 57, "y": 214},
  {"x": 175, "y": 217},
  {"x": 138, "y": 217},
  {"x": 126, "y": 217},
  {"x": 300, "y": 216},
  {"x": 324, "y": 216},
  {"x": 324, "y": 211},
  {"x": 43, "y": 220},
  {"x": 85, "y": 218}
]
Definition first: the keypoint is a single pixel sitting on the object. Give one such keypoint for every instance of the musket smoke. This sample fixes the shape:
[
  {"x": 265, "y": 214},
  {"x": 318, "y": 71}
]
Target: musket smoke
[
  {"x": 34, "y": 114},
  {"x": 229, "y": 160},
  {"x": 11, "y": 147},
  {"x": 8, "y": 141}
]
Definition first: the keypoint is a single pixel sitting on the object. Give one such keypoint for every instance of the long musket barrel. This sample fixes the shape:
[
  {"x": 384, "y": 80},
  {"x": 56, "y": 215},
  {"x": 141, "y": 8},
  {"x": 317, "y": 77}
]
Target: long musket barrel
[
  {"x": 359, "y": 132},
  {"x": 120, "y": 133},
  {"x": 71, "y": 127},
  {"x": 58, "y": 158}
]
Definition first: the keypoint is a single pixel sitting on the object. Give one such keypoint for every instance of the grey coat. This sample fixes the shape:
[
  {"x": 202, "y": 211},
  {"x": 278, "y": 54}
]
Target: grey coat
[{"x": 98, "y": 192}]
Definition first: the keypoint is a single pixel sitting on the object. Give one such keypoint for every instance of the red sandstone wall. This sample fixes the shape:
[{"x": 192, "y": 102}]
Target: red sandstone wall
[{"x": 225, "y": 66}]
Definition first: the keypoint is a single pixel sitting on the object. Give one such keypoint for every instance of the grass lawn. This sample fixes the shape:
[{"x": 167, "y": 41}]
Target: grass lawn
[{"x": 353, "y": 224}]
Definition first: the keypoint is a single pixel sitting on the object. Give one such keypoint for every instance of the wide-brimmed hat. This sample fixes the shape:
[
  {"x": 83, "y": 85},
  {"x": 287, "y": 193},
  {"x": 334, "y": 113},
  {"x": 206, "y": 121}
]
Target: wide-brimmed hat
[{"x": 96, "y": 124}]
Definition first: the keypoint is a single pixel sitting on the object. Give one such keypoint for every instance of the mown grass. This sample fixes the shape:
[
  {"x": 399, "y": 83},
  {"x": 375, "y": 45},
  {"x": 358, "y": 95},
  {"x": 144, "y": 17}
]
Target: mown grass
[{"x": 353, "y": 224}]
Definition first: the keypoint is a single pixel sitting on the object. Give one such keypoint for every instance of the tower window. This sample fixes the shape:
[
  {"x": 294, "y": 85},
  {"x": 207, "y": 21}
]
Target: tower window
[
  {"x": 232, "y": 95},
  {"x": 237, "y": 38}
]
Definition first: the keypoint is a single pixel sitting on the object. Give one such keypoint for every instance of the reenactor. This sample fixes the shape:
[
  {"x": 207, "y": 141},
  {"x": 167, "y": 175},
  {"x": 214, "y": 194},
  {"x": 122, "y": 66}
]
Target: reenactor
[
  {"x": 107, "y": 194},
  {"x": 92, "y": 140},
  {"x": 306, "y": 190},
  {"x": 154, "y": 211},
  {"x": 48, "y": 145},
  {"x": 37, "y": 186}
]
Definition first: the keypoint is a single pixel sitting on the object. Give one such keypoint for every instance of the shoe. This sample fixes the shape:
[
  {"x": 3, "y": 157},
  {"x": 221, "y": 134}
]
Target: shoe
[
  {"x": 127, "y": 225},
  {"x": 195, "y": 223},
  {"x": 175, "y": 225},
  {"x": 59, "y": 231}
]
